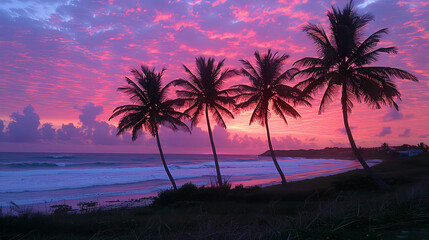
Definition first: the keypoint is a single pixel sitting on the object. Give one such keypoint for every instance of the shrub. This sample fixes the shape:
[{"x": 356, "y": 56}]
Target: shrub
[
  {"x": 61, "y": 208},
  {"x": 190, "y": 192},
  {"x": 86, "y": 206}
]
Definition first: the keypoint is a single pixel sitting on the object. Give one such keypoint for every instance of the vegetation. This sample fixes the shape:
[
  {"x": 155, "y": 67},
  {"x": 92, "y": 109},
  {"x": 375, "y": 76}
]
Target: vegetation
[
  {"x": 267, "y": 89},
  {"x": 87, "y": 206},
  {"x": 342, "y": 66},
  {"x": 423, "y": 146},
  {"x": 203, "y": 93},
  {"x": 330, "y": 153},
  {"x": 151, "y": 108},
  {"x": 344, "y": 206}
]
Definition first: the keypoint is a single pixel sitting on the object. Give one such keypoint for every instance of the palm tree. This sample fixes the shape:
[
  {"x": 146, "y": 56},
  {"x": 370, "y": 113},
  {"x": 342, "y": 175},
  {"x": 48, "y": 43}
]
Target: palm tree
[
  {"x": 267, "y": 89},
  {"x": 422, "y": 146},
  {"x": 342, "y": 65},
  {"x": 203, "y": 93},
  {"x": 150, "y": 108}
]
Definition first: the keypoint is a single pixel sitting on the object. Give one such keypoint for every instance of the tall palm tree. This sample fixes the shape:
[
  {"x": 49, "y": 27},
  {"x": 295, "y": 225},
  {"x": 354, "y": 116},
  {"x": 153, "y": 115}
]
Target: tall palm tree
[
  {"x": 150, "y": 108},
  {"x": 267, "y": 89},
  {"x": 342, "y": 66},
  {"x": 203, "y": 93}
]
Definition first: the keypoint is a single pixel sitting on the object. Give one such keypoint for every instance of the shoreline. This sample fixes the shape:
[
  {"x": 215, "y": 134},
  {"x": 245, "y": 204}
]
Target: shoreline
[{"x": 143, "y": 199}]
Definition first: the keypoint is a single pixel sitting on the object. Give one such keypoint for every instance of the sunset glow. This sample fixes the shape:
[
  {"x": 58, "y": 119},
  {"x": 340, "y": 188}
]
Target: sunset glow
[{"x": 62, "y": 61}]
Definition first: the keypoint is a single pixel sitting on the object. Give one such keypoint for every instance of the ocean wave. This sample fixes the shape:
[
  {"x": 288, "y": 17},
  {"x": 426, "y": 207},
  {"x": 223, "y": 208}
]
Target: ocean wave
[
  {"x": 96, "y": 164},
  {"x": 52, "y": 165},
  {"x": 60, "y": 156},
  {"x": 54, "y": 156},
  {"x": 32, "y": 165},
  {"x": 191, "y": 166}
]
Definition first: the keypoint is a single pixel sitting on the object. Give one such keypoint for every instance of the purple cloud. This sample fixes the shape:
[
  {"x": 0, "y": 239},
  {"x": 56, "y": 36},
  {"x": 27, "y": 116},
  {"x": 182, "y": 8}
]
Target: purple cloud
[
  {"x": 68, "y": 133},
  {"x": 385, "y": 131},
  {"x": 290, "y": 142},
  {"x": 343, "y": 130},
  {"x": 2, "y": 135},
  {"x": 23, "y": 127},
  {"x": 394, "y": 115},
  {"x": 406, "y": 133},
  {"x": 338, "y": 144},
  {"x": 89, "y": 112},
  {"x": 47, "y": 132}
]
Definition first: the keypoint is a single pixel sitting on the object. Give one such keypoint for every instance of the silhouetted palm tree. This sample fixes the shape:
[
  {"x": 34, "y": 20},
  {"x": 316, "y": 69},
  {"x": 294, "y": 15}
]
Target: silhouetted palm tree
[
  {"x": 342, "y": 66},
  {"x": 151, "y": 108},
  {"x": 423, "y": 146},
  {"x": 385, "y": 147},
  {"x": 203, "y": 93},
  {"x": 267, "y": 89}
]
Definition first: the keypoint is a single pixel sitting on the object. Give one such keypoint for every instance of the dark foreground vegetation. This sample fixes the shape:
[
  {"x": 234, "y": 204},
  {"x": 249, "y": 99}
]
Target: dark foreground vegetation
[{"x": 344, "y": 206}]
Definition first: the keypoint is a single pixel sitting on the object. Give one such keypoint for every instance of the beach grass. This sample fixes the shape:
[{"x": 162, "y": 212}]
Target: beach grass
[{"x": 343, "y": 206}]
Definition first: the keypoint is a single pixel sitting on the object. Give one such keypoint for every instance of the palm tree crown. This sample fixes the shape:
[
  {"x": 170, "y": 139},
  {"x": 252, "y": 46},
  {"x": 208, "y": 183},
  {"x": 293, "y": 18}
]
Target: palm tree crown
[
  {"x": 267, "y": 89},
  {"x": 342, "y": 66},
  {"x": 150, "y": 108},
  {"x": 202, "y": 93},
  {"x": 343, "y": 59},
  {"x": 204, "y": 89}
]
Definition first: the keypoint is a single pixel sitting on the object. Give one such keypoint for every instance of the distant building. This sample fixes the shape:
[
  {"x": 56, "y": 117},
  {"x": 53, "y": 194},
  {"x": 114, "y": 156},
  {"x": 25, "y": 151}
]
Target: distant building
[{"x": 410, "y": 152}]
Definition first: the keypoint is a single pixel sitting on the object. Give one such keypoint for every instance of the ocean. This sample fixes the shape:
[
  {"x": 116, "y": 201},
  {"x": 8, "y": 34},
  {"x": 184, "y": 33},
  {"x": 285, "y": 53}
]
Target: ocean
[{"x": 36, "y": 178}]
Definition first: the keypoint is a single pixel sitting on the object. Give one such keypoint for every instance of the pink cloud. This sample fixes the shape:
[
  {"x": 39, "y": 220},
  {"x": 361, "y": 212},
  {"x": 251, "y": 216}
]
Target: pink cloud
[
  {"x": 218, "y": 2},
  {"x": 162, "y": 16}
]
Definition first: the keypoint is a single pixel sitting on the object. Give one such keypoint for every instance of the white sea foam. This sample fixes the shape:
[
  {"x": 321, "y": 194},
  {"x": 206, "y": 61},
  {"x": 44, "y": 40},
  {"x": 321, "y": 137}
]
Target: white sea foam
[
  {"x": 48, "y": 179},
  {"x": 84, "y": 178}
]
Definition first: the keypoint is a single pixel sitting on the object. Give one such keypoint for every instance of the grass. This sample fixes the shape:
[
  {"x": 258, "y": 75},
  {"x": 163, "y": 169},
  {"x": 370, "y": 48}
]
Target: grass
[{"x": 344, "y": 206}]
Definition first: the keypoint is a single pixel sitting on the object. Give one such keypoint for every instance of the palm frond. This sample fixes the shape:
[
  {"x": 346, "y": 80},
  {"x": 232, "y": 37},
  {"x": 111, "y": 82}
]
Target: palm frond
[
  {"x": 228, "y": 73},
  {"x": 125, "y": 108},
  {"x": 328, "y": 96},
  {"x": 278, "y": 111},
  {"x": 287, "y": 108},
  {"x": 257, "y": 114},
  {"x": 387, "y": 72},
  {"x": 373, "y": 56},
  {"x": 368, "y": 44},
  {"x": 250, "y": 102},
  {"x": 309, "y": 62},
  {"x": 194, "y": 79},
  {"x": 287, "y": 75},
  {"x": 218, "y": 117},
  {"x": 319, "y": 37}
]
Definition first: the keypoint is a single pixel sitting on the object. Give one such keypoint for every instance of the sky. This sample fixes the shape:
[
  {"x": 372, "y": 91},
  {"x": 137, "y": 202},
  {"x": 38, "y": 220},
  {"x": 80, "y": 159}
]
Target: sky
[{"x": 61, "y": 62}]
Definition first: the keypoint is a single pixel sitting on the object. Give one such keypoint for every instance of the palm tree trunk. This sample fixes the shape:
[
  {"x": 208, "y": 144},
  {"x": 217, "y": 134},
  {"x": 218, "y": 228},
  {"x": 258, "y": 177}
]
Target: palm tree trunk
[
  {"x": 163, "y": 160},
  {"x": 272, "y": 152},
  {"x": 377, "y": 179},
  {"x": 219, "y": 177}
]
